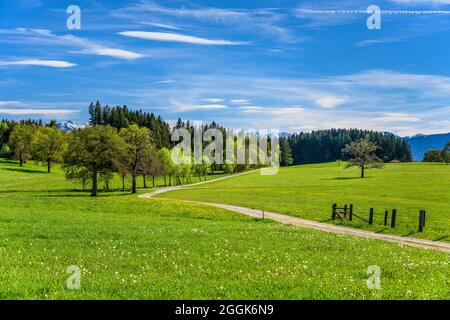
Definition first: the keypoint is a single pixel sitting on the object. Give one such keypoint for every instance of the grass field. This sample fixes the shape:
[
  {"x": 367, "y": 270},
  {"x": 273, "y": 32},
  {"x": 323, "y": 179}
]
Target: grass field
[
  {"x": 309, "y": 191},
  {"x": 130, "y": 248}
]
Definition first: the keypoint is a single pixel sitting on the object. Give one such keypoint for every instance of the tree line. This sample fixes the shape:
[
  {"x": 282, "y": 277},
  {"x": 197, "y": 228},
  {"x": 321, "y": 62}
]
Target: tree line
[
  {"x": 435, "y": 155},
  {"x": 327, "y": 145}
]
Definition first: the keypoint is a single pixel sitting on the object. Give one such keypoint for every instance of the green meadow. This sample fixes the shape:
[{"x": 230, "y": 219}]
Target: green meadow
[
  {"x": 130, "y": 248},
  {"x": 308, "y": 191}
]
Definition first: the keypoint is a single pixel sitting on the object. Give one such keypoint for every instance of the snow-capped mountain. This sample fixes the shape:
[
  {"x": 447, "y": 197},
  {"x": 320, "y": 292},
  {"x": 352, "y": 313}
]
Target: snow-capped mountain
[{"x": 69, "y": 126}]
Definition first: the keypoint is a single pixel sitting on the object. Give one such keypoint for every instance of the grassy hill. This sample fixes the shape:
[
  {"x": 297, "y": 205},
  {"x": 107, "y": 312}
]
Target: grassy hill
[
  {"x": 309, "y": 191},
  {"x": 132, "y": 248}
]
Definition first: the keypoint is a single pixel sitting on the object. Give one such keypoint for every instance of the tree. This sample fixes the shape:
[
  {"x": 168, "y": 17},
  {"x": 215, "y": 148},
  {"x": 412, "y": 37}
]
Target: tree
[
  {"x": 362, "y": 155},
  {"x": 433, "y": 156},
  {"x": 20, "y": 142},
  {"x": 445, "y": 153},
  {"x": 286, "y": 153},
  {"x": 151, "y": 166},
  {"x": 93, "y": 149},
  {"x": 138, "y": 150},
  {"x": 48, "y": 145}
]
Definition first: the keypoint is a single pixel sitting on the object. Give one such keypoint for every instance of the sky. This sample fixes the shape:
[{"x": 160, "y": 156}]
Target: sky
[{"x": 287, "y": 65}]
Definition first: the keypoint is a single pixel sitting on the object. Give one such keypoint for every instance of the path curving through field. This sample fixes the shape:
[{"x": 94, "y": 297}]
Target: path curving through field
[{"x": 290, "y": 220}]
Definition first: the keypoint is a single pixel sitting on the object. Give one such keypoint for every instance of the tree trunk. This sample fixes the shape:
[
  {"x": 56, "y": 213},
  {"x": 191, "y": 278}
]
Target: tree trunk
[
  {"x": 48, "y": 165},
  {"x": 123, "y": 182},
  {"x": 94, "y": 183},
  {"x": 165, "y": 182},
  {"x": 133, "y": 183},
  {"x": 153, "y": 181},
  {"x": 362, "y": 171},
  {"x": 145, "y": 181},
  {"x": 21, "y": 161}
]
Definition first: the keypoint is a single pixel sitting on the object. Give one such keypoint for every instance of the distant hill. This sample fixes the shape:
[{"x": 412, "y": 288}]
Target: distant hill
[{"x": 421, "y": 143}]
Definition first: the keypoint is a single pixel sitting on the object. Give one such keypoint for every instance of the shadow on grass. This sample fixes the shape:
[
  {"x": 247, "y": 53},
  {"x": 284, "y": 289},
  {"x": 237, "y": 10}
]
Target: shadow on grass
[
  {"x": 8, "y": 162},
  {"x": 25, "y": 170},
  {"x": 351, "y": 178},
  {"x": 68, "y": 193}
]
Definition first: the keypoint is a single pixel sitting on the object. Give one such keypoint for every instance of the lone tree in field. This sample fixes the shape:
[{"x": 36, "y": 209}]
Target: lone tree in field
[
  {"x": 93, "y": 149},
  {"x": 361, "y": 154},
  {"x": 48, "y": 145},
  {"x": 20, "y": 142},
  {"x": 139, "y": 150}
]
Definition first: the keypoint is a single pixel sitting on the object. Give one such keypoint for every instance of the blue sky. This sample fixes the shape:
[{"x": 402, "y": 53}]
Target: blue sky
[{"x": 289, "y": 65}]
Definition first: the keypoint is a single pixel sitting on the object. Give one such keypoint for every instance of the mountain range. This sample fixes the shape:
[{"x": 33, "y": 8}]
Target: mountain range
[{"x": 421, "y": 143}]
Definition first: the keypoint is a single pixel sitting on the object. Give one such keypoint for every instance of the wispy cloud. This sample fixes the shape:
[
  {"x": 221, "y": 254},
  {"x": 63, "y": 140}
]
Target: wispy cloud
[
  {"x": 160, "y": 25},
  {"x": 175, "y": 37},
  {"x": 9, "y": 103},
  {"x": 262, "y": 21},
  {"x": 42, "y": 112},
  {"x": 38, "y": 62},
  {"x": 240, "y": 101},
  {"x": 213, "y": 100},
  {"x": 84, "y": 46},
  {"x": 330, "y": 102}
]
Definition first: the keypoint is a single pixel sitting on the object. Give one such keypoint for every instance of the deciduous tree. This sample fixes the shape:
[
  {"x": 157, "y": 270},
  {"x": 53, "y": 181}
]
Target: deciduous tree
[
  {"x": 93, "y": 149},
  {"x": 20, "y": 141},
  {"x": 361, "y": 154},
  {"x": 48, "y": 145}
]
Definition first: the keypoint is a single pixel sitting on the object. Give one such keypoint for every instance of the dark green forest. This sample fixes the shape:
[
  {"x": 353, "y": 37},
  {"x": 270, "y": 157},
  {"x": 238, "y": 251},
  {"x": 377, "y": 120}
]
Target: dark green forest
[{"x": 326, "y": 145}]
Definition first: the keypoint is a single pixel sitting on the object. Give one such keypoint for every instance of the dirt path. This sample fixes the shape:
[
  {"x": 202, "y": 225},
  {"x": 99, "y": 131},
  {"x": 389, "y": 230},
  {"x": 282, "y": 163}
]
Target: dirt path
[{"x": 410, "y": 241}]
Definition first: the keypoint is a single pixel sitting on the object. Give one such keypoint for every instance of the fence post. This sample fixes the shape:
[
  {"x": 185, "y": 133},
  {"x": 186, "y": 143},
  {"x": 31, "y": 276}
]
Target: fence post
[
  {"x": 333, "y": 211},
  {"x": 421, "y": 219},
  {"x": 350, "y": 216},
  {"x": 424, "y": 217},
  {"x": 393, "y": 218},
  {"x": 371, "y": 216},
  {"x": 386, "y": 214},
  {"x": 345, "y": 211}
]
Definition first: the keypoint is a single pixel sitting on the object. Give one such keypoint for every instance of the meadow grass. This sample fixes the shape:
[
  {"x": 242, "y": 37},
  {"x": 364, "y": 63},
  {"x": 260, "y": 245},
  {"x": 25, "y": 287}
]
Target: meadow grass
[
  {"x": 308, "y": 191},
  {"x": 130, "y": 248}
]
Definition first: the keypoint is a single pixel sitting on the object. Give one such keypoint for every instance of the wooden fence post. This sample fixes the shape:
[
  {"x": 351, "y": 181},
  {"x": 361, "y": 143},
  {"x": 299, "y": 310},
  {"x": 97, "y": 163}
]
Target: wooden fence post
[
  {"x": 350, "y": 216},
  {"x": 386, "y": 214},
  {"x": 345, "y": 211},
  {"x": 371, "y": 216},
  {"x": 421, "y": 219},
  {"x": 393, "y": 218},
  {"x": 424, "y": 217},
  {"x": 333, "y": 211}
]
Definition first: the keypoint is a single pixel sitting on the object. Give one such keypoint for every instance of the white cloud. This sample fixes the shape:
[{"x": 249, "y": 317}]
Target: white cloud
[
  {"x": 330, "y": 102},
  {"x": 161, "y": 25},
  {"x": 42, "y": 112},
  {"x": 46, "y": 37},
  {"x": 397, "y": 117},
  {"x": 165, "y": 81},
  {"x": 175, "y": 37},
  {"x": 38, "y": 62},
  {"x": 240, "y": 101},
  {"x": 213, "y": 100},
  {"x": 9, "y": 103},
  {"x": 117, "y": 53}
]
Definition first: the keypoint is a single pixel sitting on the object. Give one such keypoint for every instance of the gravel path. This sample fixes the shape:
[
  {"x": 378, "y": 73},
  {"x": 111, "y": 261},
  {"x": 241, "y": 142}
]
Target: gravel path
[{"x": 410, "y": 241}]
